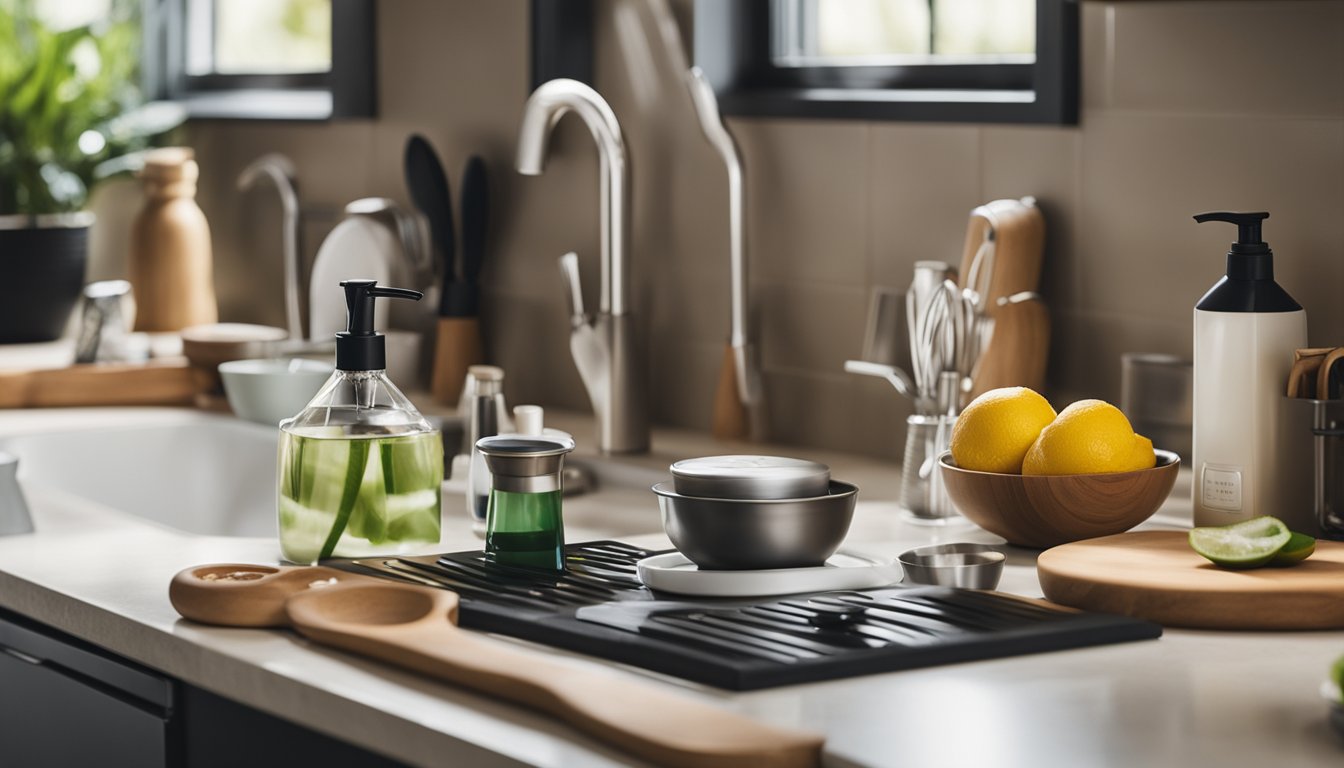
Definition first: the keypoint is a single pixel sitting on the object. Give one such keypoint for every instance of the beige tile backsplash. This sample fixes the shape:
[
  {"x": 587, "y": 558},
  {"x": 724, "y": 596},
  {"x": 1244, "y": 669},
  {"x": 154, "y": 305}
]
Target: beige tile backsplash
[
  {"x": 925, "y": 179},
  {"x": 1263, "y": 58},
  {"x": 1188, "y": 106}
]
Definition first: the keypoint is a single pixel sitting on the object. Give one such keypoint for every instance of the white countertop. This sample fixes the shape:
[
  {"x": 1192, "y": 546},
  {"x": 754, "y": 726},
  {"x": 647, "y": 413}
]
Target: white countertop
[{"x": 1190, "y": 698}]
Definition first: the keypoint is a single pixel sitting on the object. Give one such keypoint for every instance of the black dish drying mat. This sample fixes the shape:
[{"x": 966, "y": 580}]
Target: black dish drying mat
[{"x": 599, "y": 607}]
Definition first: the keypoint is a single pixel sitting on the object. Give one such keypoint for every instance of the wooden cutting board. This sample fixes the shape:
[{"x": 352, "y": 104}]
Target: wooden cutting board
[
  {"x": 1154, "y": 575},
  {"x": 157, "y": 382}
]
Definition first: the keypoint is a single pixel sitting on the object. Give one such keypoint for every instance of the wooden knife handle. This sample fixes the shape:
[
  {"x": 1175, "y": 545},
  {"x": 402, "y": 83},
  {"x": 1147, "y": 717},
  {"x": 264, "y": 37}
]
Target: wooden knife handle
[
  {"x": 656, "y": 725},
  {"x": 730, "y": 413},
  {"x": 457, "y": 348}
]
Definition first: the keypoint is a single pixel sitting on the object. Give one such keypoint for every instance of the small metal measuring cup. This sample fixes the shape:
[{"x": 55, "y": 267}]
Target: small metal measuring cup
[{"x": 962, "y": 565}]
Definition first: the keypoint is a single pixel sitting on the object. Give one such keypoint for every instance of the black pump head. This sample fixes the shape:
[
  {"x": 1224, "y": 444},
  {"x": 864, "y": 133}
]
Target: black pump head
[
  {"x": 359, "y": 347},
  {"x": 1249, "y": 285},
  {"x": 1250, "y": 257},
  {"x": 1248, "y": 229}
]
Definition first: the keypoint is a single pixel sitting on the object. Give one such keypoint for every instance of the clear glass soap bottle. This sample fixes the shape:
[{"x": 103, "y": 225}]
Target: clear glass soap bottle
[{"x": 359, "y": 468}]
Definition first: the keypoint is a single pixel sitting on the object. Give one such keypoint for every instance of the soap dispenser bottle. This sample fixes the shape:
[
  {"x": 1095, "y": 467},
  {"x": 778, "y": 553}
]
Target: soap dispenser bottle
[
  {"x": 359, "y": 468},
  {"x": 1246, "y": 330}
]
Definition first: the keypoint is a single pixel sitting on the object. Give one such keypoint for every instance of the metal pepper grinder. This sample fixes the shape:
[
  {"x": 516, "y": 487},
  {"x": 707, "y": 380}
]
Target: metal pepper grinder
[{"x": 524, "y": 526}]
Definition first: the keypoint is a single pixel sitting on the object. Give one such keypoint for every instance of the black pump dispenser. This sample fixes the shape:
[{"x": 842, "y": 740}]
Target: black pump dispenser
[
  {"x": 359, "y": 347},
  {"x": 1249, "y": 284}
]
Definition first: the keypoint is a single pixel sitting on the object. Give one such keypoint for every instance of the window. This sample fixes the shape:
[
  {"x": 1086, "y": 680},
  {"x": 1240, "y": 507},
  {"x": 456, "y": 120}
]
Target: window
[
  {"x": 287, "y": 38},
  {"x": 857, "y": 32},
  {"x": 284, "y": 59},
  {"x": 943, "y": 60}
]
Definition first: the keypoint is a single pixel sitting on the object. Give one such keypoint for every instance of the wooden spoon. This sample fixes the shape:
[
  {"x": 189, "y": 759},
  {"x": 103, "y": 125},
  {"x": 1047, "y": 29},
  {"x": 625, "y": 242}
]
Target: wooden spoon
[{"x": 416, "y": 628}]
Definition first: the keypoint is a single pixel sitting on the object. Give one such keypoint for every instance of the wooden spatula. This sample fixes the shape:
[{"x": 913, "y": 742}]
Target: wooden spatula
[{"x": 416, "y": 628}]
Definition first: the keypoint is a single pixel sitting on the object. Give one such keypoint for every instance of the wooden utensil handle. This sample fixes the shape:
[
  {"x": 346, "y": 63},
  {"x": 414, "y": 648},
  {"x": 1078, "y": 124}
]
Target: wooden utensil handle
[
  {"x": 665, "y": 728},
  {"x": 1323, "y": 375},
  {"x": 457, "y": 348},
  {"x": 730, "y": 414}
]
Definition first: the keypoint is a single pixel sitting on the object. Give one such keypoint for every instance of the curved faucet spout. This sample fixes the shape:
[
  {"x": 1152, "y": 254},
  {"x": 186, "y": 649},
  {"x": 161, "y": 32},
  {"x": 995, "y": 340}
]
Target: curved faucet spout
[
  {"x": 605, "y": 346},
  {"x": 545, "y": 107},
  {"x": 280, "y": 170}
]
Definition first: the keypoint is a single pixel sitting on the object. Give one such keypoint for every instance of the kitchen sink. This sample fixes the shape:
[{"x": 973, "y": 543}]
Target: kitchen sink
[
  {"x": 201, "y": 474},
  {"x": 214, "y": 475}
]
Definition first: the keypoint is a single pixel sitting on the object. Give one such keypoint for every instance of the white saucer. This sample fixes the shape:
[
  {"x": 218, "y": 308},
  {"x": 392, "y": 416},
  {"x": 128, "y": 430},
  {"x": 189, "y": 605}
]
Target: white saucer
[{"x": 672, "y": 572}]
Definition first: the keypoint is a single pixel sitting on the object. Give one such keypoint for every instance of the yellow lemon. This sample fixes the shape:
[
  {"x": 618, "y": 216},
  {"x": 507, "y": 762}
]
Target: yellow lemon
[
  {"x": 1143, "y": 456},
  {"x": 994, "y": 432},
  {"x": 1089, "y": 437}
]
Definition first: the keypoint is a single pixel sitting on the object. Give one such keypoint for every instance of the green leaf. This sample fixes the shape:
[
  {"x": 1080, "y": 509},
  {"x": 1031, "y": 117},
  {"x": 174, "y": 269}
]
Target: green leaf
[{"x": 46, "y": 103}]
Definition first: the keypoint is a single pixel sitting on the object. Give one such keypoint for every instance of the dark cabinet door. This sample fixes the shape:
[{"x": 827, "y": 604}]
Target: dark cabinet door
[
  {"x": 51, "y": 720},
  {"x": 64, "y": 703}
]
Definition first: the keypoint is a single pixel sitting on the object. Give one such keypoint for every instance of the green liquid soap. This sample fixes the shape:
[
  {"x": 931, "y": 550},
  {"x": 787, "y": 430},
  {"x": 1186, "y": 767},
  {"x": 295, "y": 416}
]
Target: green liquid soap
[
  {"x": 346, "y": 496},
  {"x": 525, "y": 530}
]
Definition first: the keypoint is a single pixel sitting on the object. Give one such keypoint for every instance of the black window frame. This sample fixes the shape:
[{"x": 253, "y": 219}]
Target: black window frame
[
  {"x": 347, "y": 90},
  {"x": 734, "y": 46}
]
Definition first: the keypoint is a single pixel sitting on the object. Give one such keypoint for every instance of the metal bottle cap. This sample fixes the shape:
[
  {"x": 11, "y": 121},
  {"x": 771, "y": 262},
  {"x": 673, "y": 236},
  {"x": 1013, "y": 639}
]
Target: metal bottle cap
[{"x": 525, "y": 464}]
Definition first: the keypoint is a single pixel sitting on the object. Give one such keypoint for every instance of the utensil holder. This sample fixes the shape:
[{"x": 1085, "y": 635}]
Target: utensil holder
[
  {"x": 1328, "y": 456},
  {"x": 1311, "y": 457},
  {"x": 924, "y": 499},
  {"x": 1157, "y": 394}
]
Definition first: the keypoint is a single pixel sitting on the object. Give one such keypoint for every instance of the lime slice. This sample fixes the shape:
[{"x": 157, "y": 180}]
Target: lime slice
[
  {"x": 1243, "y": 545},
  {"x": 1337, "y": 675},
  {"x": 1298, "y": 548}
]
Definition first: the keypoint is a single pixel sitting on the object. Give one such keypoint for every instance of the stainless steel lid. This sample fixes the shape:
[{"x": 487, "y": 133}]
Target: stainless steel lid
[
  {"x": 750, "y": 477},
  {"x": 522, "y": 464}
]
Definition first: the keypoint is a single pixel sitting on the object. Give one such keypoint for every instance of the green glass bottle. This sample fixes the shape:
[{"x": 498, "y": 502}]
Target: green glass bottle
[{"x": 524, "y": 524}]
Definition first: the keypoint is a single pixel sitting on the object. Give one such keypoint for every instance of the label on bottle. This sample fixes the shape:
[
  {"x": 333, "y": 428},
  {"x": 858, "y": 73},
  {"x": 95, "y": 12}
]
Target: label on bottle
[{"x": 1222, "y": 488}]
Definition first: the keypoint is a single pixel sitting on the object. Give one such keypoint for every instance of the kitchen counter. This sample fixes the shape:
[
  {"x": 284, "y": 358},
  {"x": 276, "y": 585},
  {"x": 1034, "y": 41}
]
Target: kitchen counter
[{"x": 1190, "y": 698}]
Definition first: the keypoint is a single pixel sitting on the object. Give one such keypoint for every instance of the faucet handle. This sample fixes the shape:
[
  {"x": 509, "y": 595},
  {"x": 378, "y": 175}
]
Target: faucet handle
[{"x": 569, "y": 277}]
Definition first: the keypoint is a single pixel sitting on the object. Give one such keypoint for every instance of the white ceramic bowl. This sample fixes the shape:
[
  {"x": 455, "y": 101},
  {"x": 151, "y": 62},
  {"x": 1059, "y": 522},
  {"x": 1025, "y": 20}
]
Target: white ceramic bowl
[{"x": 270, "y": 391}]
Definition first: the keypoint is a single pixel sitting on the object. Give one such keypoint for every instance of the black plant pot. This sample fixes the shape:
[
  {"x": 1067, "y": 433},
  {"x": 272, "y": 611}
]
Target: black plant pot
[{"x": 42, "y": 262}]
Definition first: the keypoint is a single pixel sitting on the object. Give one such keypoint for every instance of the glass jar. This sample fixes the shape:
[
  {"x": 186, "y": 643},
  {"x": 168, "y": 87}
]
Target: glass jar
[
  {"x": 360, "y": 473},
  {"x": 524, "y": 524}
]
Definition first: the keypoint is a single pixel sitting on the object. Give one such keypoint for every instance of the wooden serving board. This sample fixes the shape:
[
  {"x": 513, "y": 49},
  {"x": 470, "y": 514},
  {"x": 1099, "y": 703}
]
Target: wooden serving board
[
  {"x": 157, "y": 382},
  {"x": 1154, "y": 575}
]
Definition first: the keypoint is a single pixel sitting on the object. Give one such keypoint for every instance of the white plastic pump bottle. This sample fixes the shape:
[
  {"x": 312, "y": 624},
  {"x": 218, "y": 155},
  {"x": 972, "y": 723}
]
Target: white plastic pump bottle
[{"x": 1246, "y": 330}]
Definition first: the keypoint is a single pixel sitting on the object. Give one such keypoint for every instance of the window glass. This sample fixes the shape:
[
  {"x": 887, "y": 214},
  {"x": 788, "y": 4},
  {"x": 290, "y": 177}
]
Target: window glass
[
  {"x": 813, "y": 32},
  {"x": 237, "y": 37}
]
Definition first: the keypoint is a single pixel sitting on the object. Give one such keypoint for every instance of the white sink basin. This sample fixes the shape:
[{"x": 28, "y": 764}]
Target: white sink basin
[
  {"x": 201, "y": 474},
  {"x": 215, "y": 475}
]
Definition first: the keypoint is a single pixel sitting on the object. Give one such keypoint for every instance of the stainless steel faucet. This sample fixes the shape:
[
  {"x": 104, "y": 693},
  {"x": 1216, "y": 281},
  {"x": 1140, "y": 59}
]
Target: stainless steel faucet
[
  {"x": 605, "y": 346},
  {"x": 280, "y": 170}
]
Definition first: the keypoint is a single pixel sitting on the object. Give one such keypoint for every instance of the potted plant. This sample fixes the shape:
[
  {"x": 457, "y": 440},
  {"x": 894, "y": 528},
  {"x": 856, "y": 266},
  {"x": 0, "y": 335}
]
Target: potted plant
[{"x": 70, "y": 113}]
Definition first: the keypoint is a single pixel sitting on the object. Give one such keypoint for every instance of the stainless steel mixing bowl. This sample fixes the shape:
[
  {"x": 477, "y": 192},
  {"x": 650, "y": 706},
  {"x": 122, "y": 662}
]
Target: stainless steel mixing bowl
[{"x": 757, "y": 534}]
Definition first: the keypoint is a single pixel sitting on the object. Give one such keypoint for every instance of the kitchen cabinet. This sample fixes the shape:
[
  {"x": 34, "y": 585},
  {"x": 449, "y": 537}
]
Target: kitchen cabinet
[
  {"x": 65, "y": 702},
  {"x": 224, "y": 734}
]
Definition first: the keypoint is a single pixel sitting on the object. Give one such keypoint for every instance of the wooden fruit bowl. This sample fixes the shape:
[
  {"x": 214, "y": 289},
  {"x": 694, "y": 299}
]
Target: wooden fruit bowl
[{"x": 1045, "y": 510}]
